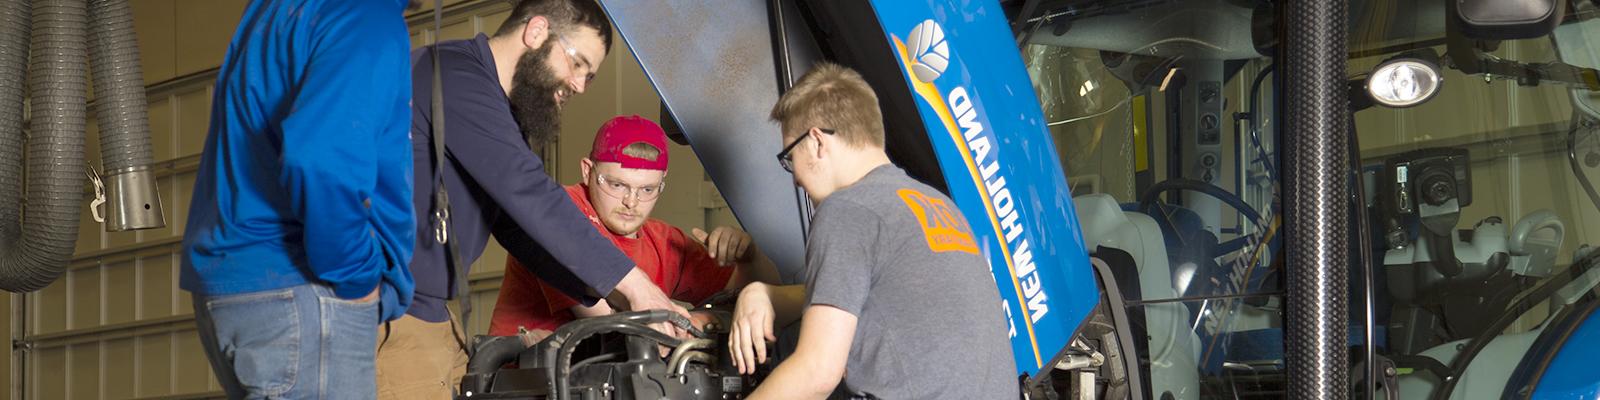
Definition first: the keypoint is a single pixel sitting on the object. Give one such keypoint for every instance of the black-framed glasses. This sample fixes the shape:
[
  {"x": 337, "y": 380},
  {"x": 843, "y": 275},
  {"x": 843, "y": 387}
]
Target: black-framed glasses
[{"x": 786, "y": 159}]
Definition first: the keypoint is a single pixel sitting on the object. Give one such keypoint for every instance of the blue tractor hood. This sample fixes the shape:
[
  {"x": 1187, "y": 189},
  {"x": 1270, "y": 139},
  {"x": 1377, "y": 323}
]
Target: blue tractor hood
[{"x": 960, "y": 114}]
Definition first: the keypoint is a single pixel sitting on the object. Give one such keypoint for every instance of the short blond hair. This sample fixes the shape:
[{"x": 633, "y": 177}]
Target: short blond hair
[
  {"x": 835, "y": 97},
  {"x": 642, "y": 150}
]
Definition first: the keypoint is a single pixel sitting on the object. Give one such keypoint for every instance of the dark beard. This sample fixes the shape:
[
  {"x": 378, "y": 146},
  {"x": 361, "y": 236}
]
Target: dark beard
[{"x": 533, "y": 100}]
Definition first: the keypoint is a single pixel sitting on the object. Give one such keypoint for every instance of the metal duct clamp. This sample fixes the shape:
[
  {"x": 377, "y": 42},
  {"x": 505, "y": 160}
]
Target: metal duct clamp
[{"x": 134, "y": 201}]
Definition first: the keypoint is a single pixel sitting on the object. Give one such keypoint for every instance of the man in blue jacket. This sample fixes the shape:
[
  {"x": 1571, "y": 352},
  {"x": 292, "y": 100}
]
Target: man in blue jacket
[
  {"x": 301, "y": 226},
  {"x": 502, "y": 97}
]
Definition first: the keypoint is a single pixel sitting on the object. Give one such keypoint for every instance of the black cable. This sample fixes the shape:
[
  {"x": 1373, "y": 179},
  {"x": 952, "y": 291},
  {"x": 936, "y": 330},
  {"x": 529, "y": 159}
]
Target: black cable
[
  {"x": 1363, "y": 225},
  {"x": 685, "y": 324},
  {"x": 591, "y": 360},
  {"x": 1255, "y": 121}
]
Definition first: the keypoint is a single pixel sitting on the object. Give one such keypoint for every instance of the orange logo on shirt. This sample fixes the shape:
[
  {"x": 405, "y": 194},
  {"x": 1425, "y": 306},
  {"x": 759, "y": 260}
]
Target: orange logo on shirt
[{"x": 944, "y": 229}]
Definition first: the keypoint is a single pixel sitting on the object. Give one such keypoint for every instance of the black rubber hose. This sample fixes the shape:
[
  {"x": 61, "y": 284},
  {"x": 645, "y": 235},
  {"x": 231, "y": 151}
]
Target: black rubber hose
[
  {"x": 558, "y": 353},
  {"x": 120, "y": 106},
  {"x": 563, "y": 366},
  {"x": 1316, "y": 193},
  {"x": 49, "y": 224},
  {"x": 492, "y": 352}
]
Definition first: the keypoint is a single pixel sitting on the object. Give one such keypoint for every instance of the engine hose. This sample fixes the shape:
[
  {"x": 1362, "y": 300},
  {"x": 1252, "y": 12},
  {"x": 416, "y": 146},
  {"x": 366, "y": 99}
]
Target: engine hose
[
  {"x": 567, "y": 336},
  {"x": 563, "y": 366},
  {"x": 591, "y": 360},
  {"x": 681, "y": 364},
  {"x": 550, "y": 348},
  {"x": 678, "y": 353},
  {"x": 38, "y": 245},
  {"x": 492, "y": 352},
  {"x": 564, "y": 333}
]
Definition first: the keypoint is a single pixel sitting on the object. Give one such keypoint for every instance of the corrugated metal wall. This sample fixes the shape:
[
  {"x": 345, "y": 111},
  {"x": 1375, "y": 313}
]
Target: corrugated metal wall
[{"x": 117, "y": 327}]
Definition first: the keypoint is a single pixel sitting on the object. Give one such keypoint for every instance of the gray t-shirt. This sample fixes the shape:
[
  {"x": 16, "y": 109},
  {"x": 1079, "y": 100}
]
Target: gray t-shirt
[{"x": 899, "y": 256}]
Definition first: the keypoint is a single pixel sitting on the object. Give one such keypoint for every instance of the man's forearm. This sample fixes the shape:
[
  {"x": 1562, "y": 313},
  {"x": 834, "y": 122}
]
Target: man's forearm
[
  {"x": 818, "y": 362},
  {"x": 601, "y": 308},
  {"x": 788, "y": 303},
  {"x": 758, "y": 269},
  {"x": 625, "y": 288},
  {"x": 791, "y": 381}
]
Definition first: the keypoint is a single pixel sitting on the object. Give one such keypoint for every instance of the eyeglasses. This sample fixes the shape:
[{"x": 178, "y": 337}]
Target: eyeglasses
[
  {"x": 579, "y": 63},
  {"x": 787, "y": 160},
  {"x": 622, "y": 191}
]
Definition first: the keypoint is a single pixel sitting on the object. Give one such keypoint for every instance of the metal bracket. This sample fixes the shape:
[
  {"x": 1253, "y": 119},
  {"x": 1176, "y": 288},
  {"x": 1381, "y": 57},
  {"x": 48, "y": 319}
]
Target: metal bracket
[
  {"x": 99, "y": 193},
  {"x": 22, "y": 345}
]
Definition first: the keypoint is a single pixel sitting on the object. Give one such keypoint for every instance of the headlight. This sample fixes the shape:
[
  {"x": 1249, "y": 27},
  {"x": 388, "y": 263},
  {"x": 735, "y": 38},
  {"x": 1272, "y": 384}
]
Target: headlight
[{"x": 1404, "y": 82}]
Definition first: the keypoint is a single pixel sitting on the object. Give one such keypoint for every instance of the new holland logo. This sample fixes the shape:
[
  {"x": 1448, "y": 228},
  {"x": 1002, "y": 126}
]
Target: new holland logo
[{"x": 928, "y": 48}]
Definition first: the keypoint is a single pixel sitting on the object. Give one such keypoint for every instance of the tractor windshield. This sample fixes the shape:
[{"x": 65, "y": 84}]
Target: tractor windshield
[{"x": 1477, "y": 161}]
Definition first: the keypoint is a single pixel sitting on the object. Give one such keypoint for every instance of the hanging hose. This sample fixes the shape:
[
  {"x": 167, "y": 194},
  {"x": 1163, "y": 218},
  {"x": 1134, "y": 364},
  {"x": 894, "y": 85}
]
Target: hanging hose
[
  {"x": 37, "y": 241},
  {"x": 14, "y": 20},
  {"x": 123, "y": 117},
  {"x": 37, "y": 254}
]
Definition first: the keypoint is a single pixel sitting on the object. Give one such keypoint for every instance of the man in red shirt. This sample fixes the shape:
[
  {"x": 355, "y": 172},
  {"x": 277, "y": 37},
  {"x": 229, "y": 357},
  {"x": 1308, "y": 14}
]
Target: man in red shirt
[{"x": 623, "y": 177}]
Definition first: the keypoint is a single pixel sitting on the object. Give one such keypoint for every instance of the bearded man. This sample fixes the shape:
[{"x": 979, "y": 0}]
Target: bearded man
[{"x": 502, "y": 98}]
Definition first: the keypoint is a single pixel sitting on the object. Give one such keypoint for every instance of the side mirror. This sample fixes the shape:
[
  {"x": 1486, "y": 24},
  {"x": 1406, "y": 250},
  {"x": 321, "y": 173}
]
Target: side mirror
[{"x": 1507, "y": 19}]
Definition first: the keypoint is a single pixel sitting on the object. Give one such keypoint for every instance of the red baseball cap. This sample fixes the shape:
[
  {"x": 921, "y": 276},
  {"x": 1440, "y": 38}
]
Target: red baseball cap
[{"x": 622, "y": 131}]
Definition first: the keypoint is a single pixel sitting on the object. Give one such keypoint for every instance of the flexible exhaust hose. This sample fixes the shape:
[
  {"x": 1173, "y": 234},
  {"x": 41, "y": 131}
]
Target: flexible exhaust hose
[
  {"x": 55, "y": 149},
  {"x": 1317, "y": 190},
  {"x": 120, "y": 106},
  {"x": 121, "y": 109},
  {"x": 14, "y": 19}
]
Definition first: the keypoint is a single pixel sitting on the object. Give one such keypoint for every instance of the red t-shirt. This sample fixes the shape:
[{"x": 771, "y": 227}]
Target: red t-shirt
[{"x": 677, "y": 264}]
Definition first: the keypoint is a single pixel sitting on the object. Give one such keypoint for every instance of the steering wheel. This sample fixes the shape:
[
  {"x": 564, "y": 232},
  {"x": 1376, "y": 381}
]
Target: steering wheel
[{"x": 1153, "y": 195}]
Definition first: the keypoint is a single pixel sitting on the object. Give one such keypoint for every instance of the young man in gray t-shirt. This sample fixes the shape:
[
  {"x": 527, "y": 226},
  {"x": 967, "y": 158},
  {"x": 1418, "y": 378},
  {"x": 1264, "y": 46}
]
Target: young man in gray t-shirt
[{"x": 897, "y": 304}]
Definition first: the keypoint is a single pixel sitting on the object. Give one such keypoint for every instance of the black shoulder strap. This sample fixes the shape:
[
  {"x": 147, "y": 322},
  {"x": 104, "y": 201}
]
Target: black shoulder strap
[{"x": 441, "y": 194}]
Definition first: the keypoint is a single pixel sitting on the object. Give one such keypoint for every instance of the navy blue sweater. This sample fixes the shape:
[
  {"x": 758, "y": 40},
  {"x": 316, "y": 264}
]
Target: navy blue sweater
[{"x": 496, "y": 184}]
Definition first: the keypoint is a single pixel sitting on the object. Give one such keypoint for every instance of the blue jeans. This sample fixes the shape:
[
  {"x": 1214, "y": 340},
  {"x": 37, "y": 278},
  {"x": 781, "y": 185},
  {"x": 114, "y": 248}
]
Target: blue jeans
[{"x": 301, "y": 342}]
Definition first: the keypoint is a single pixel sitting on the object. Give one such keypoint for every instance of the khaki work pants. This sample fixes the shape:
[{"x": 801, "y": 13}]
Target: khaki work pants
[{"x": 419, "y": 359}]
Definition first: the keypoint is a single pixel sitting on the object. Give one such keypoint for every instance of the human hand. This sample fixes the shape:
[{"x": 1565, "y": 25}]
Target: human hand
[
  {"x": 639, "y": 293},
  {"x": 701, "y": 319},
  {"x": 751, "y": 329},
  {"x": 727, "y": 245},
  {"x": 532, "y": 337}
]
